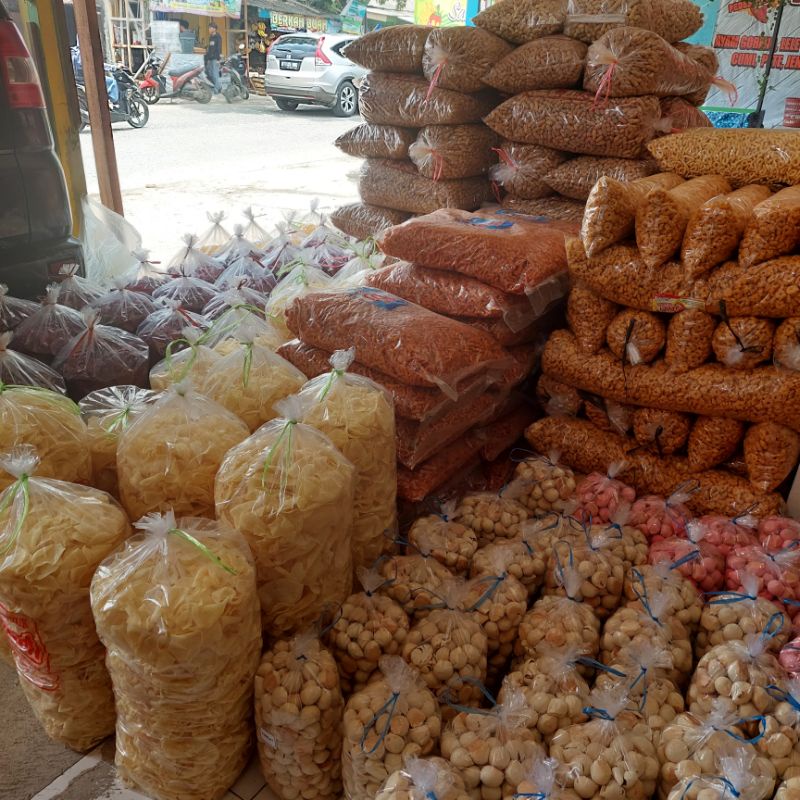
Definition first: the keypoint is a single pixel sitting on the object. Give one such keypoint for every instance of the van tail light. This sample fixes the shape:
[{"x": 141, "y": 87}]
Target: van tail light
[
  {"x": 320, "y": 59},
  {"x": 19, "y": 73}
]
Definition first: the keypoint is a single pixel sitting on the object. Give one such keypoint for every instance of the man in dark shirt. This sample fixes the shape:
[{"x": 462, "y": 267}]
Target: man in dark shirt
[{"x": 213, "y": 55}]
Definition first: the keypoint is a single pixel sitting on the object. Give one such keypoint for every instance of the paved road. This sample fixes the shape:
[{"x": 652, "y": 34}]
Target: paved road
[{"x": 191, "y": 159}]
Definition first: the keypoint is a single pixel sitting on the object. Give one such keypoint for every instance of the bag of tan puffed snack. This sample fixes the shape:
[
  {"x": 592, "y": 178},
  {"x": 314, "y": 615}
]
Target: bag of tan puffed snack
[
  {"x": 290, "y": 492},
  {"x": 178, "y": 612},
  {"x": 168, "y": 458},
  {"x": 53, "y": 535},
  {"x": 108, "y": 412},
  {"x": 358, "y": 416},
  {"x": 193, "y": 362},
  {"x": 52, "y": 424}
]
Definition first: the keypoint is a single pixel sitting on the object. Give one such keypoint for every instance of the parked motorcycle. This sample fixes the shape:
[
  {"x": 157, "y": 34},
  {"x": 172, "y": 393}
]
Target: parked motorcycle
[
  {"x": 153, "y": 84},
  {"x": 231, "y": 73},
  {"x": 189, "y": 83}
]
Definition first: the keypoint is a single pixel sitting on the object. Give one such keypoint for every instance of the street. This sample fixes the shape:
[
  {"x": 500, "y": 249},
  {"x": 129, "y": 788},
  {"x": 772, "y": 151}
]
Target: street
[{"x": 191, "y": 159}]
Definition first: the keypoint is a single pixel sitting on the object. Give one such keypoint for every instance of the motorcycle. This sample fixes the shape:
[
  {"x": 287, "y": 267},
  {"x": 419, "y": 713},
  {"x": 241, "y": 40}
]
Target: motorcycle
[
  {"x": 231, "y": 73},
  {"x": 130, "y": 106},
  {"x": 153, "y": 85},
  {"x": 189, "y": 83}
]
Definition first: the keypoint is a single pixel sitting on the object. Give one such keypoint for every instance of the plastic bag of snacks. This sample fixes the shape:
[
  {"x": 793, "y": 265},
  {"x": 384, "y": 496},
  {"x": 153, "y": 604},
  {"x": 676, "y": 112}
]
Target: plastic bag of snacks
[
  {"x": 240, "y": 296},
  {"x": 458, "y": 57},
  {"x": 358, "y": 416},
  {"x": 558, "y": 621},
  {"x": 635, "y": 337},
  {"x": 599, "y": 496},
  {"x": 249, "y": 381},
  {"x": 789, "y": 657},
  {"x": 194, "y": 260},
  {"x": 108, "y": 412},
  {"x": 524, "y": 21},
  {"x": 490, "y": 747},
  {"x": 450, "y": 543},
  {"x": 733, "y": 616},
  {"x": 684, "y": 599},
  {"x": 295, "y": 284},
  {"x": 101, "y": 355},
  {"x": 773, "y": 229},
  {"x": 649, "y": 624},
  {"x": 123, "y": 307},
  {"x": 576, "y": 178},
  {"x": 168, "y": 458},
  {"x": 75, "y": 291},
  {"x": 725, "y": 533},
  {"x": 290, "y": 492},
  {"x": 743, "y": 342},
  {"x": 522, "y": 559},
  {"x": 376, "y": 141},
  {"x": 712, "y": 441},
  {"x": 299, "y": 709},
  {"x": 543, "y": 485},
  {"x": 661, "y": 432},
  {"x": 613, "y": 754},
  {"x": 689, "y": 336},
  {"x": 393, "y": 49},
  {"x": 781, "y": 740},
  {"x": 238, "y": 246},
  {"x": 54, "y": 535},
  {"x": 490, "y": 516},
  {"x": 193, "y": 294},
  {"x": 248, "y": 270},
  {"x": 241, "y": 323},
  {"x": 778, "y": 573},
  {"x": 770, "y": 453},
  {"x": 498, "y": 602},
  {"x": 553, "y": 686},
  {"x": 195, "y": 362},
  {"x": 13, "y": 310},
  {"x": 453, "y": 151},
  {"x": 215, "y": 236},
  {"x": 145, "y": 278},
  {"x": 700, "y": 562},
  {"x": 540, "y": 779},
  {"x": 786, "y": 346},
  {"x": 557, "y": 399},
  {"x": 423, "y": 778},
  {"x": 662, "y": 518},
  {"x": 704, "y": 750},
  {"x": 394, "y": 718},
  {"x": 414, "y": 581},
  {"x": 775, "y": 533},
  {"x": 254, "y": 232},
  {"x": 17, "y": 369},
  {"x": 177, "y": 610},
  {"x": 165, "y": 325},
  {"x": 362, "y": 221},
  {"x": 368, "y": 626},
  {"x": 52, "y": 425},
  {"x": 49, "y": 328},
  {"x": 589, "y": 316},
  {"x": 521, "y": 167},
  {"x": 737, "y": 675}
]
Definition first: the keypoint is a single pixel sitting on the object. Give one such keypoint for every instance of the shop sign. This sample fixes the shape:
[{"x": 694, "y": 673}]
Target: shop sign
[
  {"x": 440, "y": 13},
  {"x": 205, "y": 8},
  {"x": 297, "y": 22}
]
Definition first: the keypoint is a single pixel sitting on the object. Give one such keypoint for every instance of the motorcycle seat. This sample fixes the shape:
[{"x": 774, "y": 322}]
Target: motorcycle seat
[{"x": 176, "y": 73}]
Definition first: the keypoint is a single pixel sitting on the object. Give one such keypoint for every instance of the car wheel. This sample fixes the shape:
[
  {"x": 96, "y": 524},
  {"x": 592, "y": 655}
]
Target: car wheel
[
  {"x": 346, "y": 100},
  {"x": 138, "y": 112},
  {"x": 203, "y": 93},
  {"x": 151, "y": 94},
  {"x": 286, "y": 105}
]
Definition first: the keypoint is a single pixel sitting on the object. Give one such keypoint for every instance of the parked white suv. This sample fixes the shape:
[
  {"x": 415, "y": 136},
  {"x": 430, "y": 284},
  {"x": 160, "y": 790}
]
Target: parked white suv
[{"x": 309, "y": 68}]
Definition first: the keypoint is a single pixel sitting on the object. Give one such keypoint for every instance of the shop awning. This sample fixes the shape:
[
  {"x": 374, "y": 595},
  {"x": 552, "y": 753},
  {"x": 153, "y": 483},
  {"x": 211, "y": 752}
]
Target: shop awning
[{"x": 204, "y": 8}]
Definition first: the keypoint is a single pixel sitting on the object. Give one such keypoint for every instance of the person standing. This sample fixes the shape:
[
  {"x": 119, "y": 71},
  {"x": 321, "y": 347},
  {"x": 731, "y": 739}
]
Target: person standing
[{"x": 213, "y": 56}]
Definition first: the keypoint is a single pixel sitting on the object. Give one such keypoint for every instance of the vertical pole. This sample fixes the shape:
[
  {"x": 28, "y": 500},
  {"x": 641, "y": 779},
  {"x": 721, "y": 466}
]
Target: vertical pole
[
  {"x": 757, "y": 117},
  {"x": 97, "y": 99},
  {"x": 246, "y": 45}
]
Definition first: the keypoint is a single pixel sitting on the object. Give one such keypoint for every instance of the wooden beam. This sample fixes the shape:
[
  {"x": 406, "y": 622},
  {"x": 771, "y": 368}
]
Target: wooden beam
[{"x": 105, "y": 157}]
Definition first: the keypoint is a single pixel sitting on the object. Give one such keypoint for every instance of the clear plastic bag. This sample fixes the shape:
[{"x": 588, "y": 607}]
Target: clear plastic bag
[
  {"x": 770, "y": 453},
  {"x": 182, "y": 659},
  {"x": 601, "y": 496},
  {"x": 698, "y": 561},
  {"x": 786, "y": 344},
  {"x": 767, "y": 291},
  {"x": 75, "y": 291},
  {"x": 664, "y": 577},
  {"x": 369, "y": 625},
  {"x": 522, "y": 167},
  {"x": 635, "y": 337},
  {"x": 194, "y": 262},
  {"x": 540, "y": 778},
  {"x": 673, "y": 20},
  {"x": 741, "y": 775},
  {"x": 145, "y": 278},
  {"x": 443, "y": 152},
  {"x": 424, "y": 778},
  {"x": 358, "y": 416},
  {"x": 49, "y": 328},
  {"x": 491, "y": 516},
  {"x": 357, "y": 271},
  {"x": 195, "y": 362},
  {"x": 725, "y": 533},
  {"x": 577, "y": 177},
  {"x": 165, "y": 325},
  {"x": 775, "y": 533},
  {"x": 101, "y": 356},
  {"x": 712, "y": 441},
  {"x": 124, "y": 308},
  {"x": 54, "y": 535},
  {"x": 589, "y": 316},
  {"x": 301, "y": 281},
  {"x": 49, "y": 422},
  {"x": 13, "y": 310},
  {"x": 611, "y": 209},
  {"x": 552, "y": 62},
  {"x": 677, "y": 114},
  {"x": 543, "y": 485},
  {"x": 774, "y": 228},
  {"x": 571, "y": 120},
  {"x": 168, "y": 458},
  {"x": 376, "y": 141},
  {"x": 662, "y": 432},
  {"x": 743, "y": 342},
  {"x": 689, "y": 336},
  {"x": 397, "y": 48},
  {"x": 249, "y": 381},
  {"x": 458, "y": 57},
  {"x": 237, "y": 247},
  {"x": 215, "y": 237},
  {"x": 17, "y": 369},
  {"x": 394, "y": 718},
  {"x": 662, "y": 518},
  {"x": 254, "y": 232},
  {"x": 524, "y": 559},
  {"x": 414, "y": 582},
  {"x": 452, "y": 544},
  {"x": 470, "y": 739},
  {"x": 249, "y": 271},
  {"x": 364, "y": 221},
  {"x": 510, "y": 252},
  {"x": 299, "y": 709},
  {"x": 553, "y": 208},
  {"x": 523, "y": 21},
  {"x": 193, "y": 294},
  {"x": 290, "y": 492},
  {"x": 239, "y": 296},
  {"x": 108, "y": 412},
  {"x": 662, "y": 217}
]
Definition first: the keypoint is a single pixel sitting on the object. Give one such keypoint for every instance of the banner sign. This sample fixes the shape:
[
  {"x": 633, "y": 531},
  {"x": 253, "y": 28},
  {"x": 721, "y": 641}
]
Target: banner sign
[
  {"x": 742, "y": 41},
  {"x": 297, "y": 22},
  {"x": 205, "y": 8},
  {"x": 440, "y": 13}
]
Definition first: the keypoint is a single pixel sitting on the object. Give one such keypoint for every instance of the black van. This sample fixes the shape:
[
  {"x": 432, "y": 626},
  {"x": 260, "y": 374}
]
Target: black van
[{"x": 35, "y": 218}]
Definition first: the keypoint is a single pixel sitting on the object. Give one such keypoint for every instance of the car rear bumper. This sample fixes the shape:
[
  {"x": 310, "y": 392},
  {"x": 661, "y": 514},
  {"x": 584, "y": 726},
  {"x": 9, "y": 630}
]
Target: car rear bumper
[
  {"x": 317, "y": 95},
  {"x": 28, "y": 269}
]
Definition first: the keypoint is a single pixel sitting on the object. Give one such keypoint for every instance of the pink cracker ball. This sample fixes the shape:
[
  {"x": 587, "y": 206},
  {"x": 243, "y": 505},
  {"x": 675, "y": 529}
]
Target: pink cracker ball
[
  {"x": 727, "y": 534},
  {"x": 706, "y": 571},
  {"x": 778, "y": 574},
  {"x": 789, "y": 657},
  {"x": 776, "y": 533},
  {"x": 658, "y": 519},
  {"x": 599, "y": 496}
]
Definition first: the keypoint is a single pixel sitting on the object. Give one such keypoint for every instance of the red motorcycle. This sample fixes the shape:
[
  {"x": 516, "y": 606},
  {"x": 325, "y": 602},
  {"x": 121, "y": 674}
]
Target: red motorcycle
[
  {"x": 153, "y": 85},
  {"x": 189, "y": 83}
]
